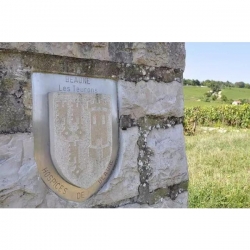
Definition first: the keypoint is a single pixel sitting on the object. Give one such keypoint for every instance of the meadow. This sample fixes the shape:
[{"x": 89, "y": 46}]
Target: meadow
[
  {"x": 193, "y": 95},
  {"x": 219, "y": 169},
  {"x": 218, "y": 158}
]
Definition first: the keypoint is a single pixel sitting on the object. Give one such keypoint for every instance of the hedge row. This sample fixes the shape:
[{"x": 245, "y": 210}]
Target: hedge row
[{"x": 226, "y": 115}]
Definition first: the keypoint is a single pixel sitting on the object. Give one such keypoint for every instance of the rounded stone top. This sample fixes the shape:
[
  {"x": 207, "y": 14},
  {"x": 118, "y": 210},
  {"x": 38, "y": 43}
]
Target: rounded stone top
[{"x": 160, "y": 54}]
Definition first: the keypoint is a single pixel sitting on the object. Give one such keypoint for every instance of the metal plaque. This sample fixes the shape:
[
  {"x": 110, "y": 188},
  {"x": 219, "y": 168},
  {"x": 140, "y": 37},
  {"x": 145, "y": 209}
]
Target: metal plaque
[{"x": 75, "y": 126}]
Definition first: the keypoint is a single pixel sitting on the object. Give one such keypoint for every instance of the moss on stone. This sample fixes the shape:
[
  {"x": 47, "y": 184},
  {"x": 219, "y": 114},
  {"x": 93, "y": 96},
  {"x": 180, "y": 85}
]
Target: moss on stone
[
  {"x": 6, "y": 85},
  {"x": 29, "y": 61}
]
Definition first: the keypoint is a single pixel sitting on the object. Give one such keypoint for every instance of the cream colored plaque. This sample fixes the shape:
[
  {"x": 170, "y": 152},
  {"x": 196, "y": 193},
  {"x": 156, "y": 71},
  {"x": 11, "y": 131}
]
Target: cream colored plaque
[
  {"x": 75, "y": 126},
  {"x": 80, "y": 136}
]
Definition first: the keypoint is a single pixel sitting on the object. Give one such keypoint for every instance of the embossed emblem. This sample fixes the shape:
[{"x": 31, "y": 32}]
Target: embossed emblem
[
  {"x": 75, "y": 126},
  {"x": 80, "y": 136}
]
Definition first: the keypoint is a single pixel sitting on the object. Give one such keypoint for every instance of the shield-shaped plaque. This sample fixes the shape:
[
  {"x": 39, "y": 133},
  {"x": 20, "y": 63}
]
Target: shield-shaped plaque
[
  {"x": 80, "y": 136},
  {"x": 75, "y": 129}
]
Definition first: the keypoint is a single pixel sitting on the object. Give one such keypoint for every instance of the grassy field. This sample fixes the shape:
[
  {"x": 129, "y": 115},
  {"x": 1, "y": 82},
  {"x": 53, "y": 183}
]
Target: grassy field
[
  {"x": 219, "y": 169},
  {"x": 193, "y": 94},
  {"x": 219, "y": 161}
]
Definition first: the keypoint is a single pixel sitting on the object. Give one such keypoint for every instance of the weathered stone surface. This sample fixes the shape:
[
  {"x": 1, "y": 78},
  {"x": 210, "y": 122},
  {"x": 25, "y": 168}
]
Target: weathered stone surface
[
  {"x": 15, "y": 81},
  {"x": 150, "y": 98},
  {"x": 151, "y": 162},
  {"x": 170, "y": 55},
  {"x": 122, "y": 184},
  {"x": 20, "y": 185},
  {"x": 15, "y": 116},
  {"x": 124, "y": 181},
  {"x": 168, "y": 163},
  {"x": 180, "y": 202}
]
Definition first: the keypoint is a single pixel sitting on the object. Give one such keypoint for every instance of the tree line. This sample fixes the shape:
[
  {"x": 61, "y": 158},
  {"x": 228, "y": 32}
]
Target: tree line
[{"x": 216, "y": 84}]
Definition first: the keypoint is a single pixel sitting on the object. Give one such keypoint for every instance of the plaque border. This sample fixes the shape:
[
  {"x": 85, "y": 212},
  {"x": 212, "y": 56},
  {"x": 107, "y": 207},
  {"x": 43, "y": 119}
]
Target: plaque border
[{"x": 44, "y": 83}]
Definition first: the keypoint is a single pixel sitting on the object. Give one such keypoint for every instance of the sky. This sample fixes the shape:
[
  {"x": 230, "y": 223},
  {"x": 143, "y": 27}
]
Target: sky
[{"x": 218, "y": 61}]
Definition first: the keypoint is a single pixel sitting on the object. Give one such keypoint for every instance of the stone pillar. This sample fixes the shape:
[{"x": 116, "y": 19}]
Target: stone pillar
[{"x": 151, "y": 168}]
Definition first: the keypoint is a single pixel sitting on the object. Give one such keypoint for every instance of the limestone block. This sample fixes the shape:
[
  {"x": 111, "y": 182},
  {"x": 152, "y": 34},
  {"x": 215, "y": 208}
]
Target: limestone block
[
  {"x": 86, "y": 50},
  {"x": 20, "y": 185},
  {"x": 180, "y": 202},
  {"x": 169, "y": 163},
  {"x": 153, "y": 73},
  {"x": 15, "y": 94},
  {"x": 170, "y": 55},
  {"x": 124, "y": 180},
  {"x": 51, "y": 200},
  {"x": 150, "y": 98}
]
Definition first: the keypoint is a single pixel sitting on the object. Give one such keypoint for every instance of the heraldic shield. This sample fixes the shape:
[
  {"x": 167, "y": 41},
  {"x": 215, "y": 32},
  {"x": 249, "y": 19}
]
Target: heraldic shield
[
  {"x": 80, "y": 136},
  {"x": 75, "y": 127}
]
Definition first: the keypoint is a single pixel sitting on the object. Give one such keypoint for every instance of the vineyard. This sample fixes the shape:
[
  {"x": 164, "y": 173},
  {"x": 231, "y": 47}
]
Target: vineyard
[
  {"x": 216, "y": 116},
  {"x": 218, "y": 155}
]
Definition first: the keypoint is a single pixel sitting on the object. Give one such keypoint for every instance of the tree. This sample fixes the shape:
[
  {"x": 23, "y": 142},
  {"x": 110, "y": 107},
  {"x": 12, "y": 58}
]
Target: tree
[
  {"x": 196, "y": 82},
  {"x": 240, "y": 84},
  {"x": 224, "y": 98},
  {"x": 191, "y": 82},
  {"x": 215, "y": 87},
  {"x": 247, "y": 85}
]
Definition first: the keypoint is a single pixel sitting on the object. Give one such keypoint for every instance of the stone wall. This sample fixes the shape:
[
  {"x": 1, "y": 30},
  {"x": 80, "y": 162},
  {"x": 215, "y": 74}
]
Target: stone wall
[{"x": 151, "y": 168}]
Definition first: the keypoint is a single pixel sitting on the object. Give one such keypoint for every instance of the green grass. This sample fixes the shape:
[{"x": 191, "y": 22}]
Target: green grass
[
  {"x": 237, "y": 93},
  {"x": 219, "y": 169},
  {"x": 192, "y": 94}
]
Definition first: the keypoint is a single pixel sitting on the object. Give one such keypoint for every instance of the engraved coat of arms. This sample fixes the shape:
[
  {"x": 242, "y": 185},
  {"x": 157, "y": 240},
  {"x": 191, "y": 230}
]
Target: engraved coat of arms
[{"x": 80, "y": 135}]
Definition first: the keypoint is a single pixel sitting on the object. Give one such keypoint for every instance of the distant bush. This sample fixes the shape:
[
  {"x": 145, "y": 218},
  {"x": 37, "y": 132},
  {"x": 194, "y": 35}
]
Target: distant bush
[
  {"x": 208, "y": 94},
  {"x": 214, "y": 97},
  {"x": 244, "y": 101},
  {"x": 223, "y": 98},
  {"x": 227, "y": 115}
]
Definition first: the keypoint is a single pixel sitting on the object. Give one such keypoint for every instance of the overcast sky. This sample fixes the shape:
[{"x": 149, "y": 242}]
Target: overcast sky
[{"x": 218, "y": 61}]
